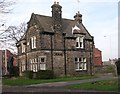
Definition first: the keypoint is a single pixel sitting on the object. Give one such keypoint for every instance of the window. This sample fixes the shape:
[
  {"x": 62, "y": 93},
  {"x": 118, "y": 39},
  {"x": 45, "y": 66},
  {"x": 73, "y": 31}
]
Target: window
[
  {"x": 79, "y": 42},
  {"x": 42, "y": 66},
  {"x": 77, "y": 59},
  {"x": 38, "y": 65},
  {"x": 33, "y": 65},
  {"x": 23, "y": 66},
  {"x": 80, "y": 64},
  {"x": 23, "y": 48},
  {"x": 35, "y": 68},
  {"x": 33, "y": 42},
  {"x": 42, "y": 61}
]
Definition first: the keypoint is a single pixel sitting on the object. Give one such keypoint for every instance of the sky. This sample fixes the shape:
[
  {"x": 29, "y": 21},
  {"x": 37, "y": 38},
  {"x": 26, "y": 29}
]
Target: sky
[{"x": 99, "y": 17}]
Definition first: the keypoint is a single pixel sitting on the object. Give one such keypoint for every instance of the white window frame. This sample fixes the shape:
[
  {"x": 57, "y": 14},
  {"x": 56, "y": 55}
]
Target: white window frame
[
  {"x": 33, "y": 42},
  {"x": 23, "y": 48},
  {"x": 31, "y": 67},
  {"x": 31, "y": 64},
  {"x": 79, "y": 64},
  {"x": 35, "y": 68},
  {"x": 34, "y": 65},
  {"x": 42, "y": 65},
  {"x": 23, "y": 66},
  {"x": 79, "y": 42},
  {"x": 40, "y": 57}
]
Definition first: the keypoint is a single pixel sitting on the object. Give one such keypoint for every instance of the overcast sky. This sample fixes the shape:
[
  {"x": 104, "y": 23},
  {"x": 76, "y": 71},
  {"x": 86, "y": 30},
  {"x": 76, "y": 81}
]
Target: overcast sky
[{"x": 99, "y": 17}]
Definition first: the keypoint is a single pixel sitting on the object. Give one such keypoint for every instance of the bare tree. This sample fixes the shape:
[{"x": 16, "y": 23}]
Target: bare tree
[
  {"x": 16, "y": 32},
  {"x": 12, "y": 35},
  {"x": 5, "y": 6}
]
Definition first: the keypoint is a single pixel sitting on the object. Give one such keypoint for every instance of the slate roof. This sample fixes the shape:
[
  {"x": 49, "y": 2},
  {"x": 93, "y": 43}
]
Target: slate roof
[{"x": 46, "y": 23}]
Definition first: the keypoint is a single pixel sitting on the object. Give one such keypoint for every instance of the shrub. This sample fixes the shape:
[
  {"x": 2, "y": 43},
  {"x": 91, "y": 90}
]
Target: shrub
[
  {"x": 44, "y": 74},
  {"x": 28, "y": 74},
  {"x": 15, "y": 71}
]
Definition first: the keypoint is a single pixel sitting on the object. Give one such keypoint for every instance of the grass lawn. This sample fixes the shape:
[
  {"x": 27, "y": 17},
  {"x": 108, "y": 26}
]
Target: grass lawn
[
  {"x": 109, "y": 85},
  {"x": 20, "y": 81}
]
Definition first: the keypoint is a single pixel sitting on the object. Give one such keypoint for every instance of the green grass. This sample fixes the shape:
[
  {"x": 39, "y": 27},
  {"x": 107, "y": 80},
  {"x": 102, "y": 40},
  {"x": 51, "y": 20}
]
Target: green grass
[
  {"x": 20, "y": 81},
  {"x": 109, "y": 85}
]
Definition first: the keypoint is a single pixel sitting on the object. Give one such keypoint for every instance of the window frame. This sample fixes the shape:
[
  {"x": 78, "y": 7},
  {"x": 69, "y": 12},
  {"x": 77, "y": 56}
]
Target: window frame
[
  {"x": 33, "y": 42},
  {"x": 23, "y": 66},
  {"x": 23, "y": 48},
  {"x": 41, "y": 62},
  {"x": 81, "y": 62},
  {"x": 80, "y": 42},
  {"x": 42, "y": 68},
  {"x": 34, "y": 65}
]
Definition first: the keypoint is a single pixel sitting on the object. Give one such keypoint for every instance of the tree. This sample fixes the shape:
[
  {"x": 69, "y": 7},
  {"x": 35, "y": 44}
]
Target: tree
[
  {"x": 5, "y": 6},
  {"x": 12, "y": 35},
  {"x": 15, "y": 32}
]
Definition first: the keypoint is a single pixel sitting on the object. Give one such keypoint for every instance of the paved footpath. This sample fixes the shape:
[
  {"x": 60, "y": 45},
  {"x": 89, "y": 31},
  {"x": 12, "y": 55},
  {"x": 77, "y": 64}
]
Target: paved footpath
[{"x": 55, "y": 87}]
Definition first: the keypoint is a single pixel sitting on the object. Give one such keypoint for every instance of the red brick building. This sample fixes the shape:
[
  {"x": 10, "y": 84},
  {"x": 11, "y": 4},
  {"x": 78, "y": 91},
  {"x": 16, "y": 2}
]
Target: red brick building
[
  {"x": 8, "y": 57},
  {"x": 97, "y": 57}
]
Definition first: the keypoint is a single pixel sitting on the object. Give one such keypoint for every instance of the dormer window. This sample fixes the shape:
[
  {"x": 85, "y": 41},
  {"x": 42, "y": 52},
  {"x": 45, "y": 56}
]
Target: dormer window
[
  {"x": 79, "y": 42},
  {"x": 75, "y": 29},
  {"x": 33, "y": 42}
]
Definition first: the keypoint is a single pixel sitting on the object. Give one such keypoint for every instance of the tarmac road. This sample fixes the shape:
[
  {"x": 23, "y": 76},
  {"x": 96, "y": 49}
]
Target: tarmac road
[{"x": 55, "y": 88}]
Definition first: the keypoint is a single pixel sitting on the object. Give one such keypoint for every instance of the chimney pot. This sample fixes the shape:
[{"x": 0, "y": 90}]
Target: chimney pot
[
  {"x": 58, "y": 3},
  {"x": 55, "y": 2}
]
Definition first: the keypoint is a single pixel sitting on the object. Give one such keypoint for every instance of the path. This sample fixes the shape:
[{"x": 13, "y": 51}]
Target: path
[{"x": 55, "y": 87}]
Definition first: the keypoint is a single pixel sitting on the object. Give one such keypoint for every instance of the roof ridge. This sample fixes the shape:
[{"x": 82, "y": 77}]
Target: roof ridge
[
  {"x": 43, "y": 15},
  {"x": 51, "y": 17}
]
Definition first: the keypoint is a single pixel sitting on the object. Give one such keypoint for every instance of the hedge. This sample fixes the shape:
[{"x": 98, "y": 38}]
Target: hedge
[
  {"x": 45, "y": 74},
  {"x": 28, "y": 74}
]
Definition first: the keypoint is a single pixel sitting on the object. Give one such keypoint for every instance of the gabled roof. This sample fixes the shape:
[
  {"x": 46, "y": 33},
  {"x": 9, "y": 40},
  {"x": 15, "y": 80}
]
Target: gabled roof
[{"x": 45, "y": 22}]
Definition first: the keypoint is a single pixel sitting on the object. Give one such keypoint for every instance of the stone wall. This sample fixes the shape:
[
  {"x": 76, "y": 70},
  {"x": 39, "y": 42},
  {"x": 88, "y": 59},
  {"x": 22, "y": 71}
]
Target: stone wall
[
  {"x": 58, "y": 41},
  {"x": 20, "y": 60},
  {"x": 58, "y": 53}
]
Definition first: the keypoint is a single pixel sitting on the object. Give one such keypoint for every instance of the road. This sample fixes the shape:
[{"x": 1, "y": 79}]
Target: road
[{"x": 56, "y": 87}]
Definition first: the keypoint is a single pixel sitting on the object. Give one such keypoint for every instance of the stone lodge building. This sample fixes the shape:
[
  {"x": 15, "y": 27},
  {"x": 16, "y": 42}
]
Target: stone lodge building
[{"x": 54, "y": 43}]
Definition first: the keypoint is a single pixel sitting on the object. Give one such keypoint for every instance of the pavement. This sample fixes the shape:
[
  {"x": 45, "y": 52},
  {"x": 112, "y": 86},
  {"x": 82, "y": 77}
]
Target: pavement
[{"x": 55, "y": 88}]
